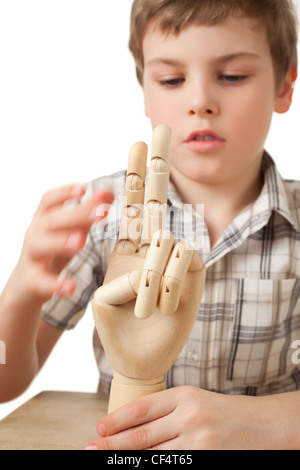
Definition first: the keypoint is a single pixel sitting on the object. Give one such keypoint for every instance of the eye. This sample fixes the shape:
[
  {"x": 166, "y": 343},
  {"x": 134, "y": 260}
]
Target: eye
[
  {"x": 232, "y": 78},
  {"x": 172, "y": 82}
]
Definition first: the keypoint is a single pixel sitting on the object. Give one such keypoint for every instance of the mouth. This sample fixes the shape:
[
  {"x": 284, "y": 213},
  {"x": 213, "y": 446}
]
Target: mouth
[
  {"x": 206, "y": 138},
  {"x": 204, "y": 141},
  {"x": 203, "y": 136}
]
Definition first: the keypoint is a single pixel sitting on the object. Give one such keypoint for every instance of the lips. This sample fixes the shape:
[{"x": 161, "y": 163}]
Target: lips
[
  {"x": 204, "y": 141},
  {"x": 203, "y": 135}
]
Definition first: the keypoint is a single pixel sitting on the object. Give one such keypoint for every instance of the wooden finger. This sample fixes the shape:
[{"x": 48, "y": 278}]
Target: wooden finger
[
  {"x": 120, "y": 290},
  {"x": 158, "y": 183},
  {"x": 181, "y": 259},
  {"x": 130, "y": 228},
  {"x": 155, "y": 263}
]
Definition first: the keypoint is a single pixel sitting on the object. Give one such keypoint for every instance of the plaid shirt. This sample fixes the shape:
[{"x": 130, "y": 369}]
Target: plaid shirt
[{"x": 249, "y": 317}]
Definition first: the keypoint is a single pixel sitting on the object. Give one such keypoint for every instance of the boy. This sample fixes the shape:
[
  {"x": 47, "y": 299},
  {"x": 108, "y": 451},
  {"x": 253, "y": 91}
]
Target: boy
[{"x": 215, "y": 71}]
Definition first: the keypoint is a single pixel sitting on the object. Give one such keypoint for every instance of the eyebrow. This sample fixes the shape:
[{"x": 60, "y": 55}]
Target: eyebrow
[
  {"x": 238, "y": 55},
  {"x": 165, "y": 61},
  {"x": 219, "y": 60}
]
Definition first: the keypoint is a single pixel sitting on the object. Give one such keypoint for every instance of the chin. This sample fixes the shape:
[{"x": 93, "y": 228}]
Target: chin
[{"x": 204, "y": 174}]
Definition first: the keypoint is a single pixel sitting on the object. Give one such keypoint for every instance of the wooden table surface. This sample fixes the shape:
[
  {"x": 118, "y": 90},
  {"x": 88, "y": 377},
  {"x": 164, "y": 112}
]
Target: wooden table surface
[{"x": 53, "y": 421}]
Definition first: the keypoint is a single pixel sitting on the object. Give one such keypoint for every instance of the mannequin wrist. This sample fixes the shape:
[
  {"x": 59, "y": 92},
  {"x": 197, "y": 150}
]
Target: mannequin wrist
[{"x": 125, "y": 389}]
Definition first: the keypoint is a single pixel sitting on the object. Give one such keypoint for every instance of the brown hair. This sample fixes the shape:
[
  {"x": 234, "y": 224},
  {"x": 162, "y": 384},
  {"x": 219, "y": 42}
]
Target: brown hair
[{"x": 278, "y": 18}]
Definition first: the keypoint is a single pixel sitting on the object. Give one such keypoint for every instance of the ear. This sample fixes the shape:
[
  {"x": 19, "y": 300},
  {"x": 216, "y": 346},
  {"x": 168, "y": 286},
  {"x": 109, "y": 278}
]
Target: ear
[{"x": 284, "y": 98}]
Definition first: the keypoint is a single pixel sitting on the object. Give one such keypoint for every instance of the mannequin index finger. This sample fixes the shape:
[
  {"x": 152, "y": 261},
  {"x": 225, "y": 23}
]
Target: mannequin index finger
[
  {"x": 130, "y": 228},
  {"x": 158, "y": 183}
]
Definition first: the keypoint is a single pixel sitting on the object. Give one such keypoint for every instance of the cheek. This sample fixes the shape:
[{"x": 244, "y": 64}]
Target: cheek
[
  {"x": 161, "y": 113},
  {"x": 159, "y": 106},
  {"x": 252, "y": 121}
]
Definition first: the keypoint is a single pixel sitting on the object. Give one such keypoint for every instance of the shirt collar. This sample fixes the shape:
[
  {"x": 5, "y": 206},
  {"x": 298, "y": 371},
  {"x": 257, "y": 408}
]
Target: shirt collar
[{"x": 273, "y": 197}]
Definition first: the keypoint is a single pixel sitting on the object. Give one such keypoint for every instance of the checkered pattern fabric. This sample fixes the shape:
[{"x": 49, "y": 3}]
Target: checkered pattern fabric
[{"x": 249, "y": 316}]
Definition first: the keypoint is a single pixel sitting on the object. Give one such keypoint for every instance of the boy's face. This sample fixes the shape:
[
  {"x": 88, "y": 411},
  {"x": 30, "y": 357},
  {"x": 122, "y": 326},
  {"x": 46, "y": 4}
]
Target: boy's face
[{"x": 215, "y": 87}]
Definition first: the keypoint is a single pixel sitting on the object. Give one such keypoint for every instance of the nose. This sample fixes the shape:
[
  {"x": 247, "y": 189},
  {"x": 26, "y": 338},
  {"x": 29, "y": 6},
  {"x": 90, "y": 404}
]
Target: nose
[{"x": 202, "y": 101}]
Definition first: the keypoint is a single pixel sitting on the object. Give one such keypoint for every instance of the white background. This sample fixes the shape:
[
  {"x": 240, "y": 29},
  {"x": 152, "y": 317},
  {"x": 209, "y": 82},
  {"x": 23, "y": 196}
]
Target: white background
[{"x": 70, "y": 108}]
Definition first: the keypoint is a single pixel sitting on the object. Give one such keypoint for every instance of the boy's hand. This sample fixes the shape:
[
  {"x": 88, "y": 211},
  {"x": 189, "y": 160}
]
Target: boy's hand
[
  {"x": 189, "y": 418},
  {"x": 57, "y": 232}
]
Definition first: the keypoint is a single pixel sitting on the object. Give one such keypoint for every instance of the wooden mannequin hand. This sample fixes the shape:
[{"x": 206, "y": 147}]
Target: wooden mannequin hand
[{"x": 147, "y": 306}]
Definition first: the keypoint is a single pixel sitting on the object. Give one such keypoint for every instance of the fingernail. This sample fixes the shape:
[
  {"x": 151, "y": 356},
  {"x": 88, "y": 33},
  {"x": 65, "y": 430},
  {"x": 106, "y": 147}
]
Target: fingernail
[
  {"x": 73, "y": 241},
  {"x": 101, "y": 430},
  {"x": 91, "y": 447},
  {"x": 77, "y": 191},
  {"x": 67, "y": 287},
  {"x": 93, "y": 214}
]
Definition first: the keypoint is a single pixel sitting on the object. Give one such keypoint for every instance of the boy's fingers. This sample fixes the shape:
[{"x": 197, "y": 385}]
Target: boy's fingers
[
  {"x": 59, "y": 196},
  {"x": 143, "y": 410},
  {"x": 82, "y": 216},
  {"x": 57, "y": 244},
  {"x": 97, "y": 208},
  {"x": 46, "y": 285},
  {"x": 130, "y": 228},
  {"x": 158, "y": 184},
  {"x": 66, "y": 287}
]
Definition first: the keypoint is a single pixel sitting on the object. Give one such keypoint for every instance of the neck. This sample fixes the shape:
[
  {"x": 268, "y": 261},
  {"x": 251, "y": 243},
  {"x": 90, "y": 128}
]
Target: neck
[{"x": 222, "y": 202}]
